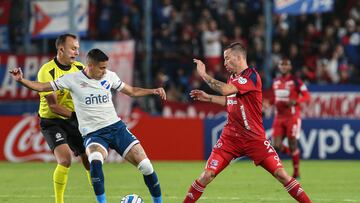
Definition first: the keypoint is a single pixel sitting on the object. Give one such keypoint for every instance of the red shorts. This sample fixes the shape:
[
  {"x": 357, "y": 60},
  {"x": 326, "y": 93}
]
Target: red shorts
[
  {"x": 289, "y": 127},
  {"x": 228, "y": 148}
]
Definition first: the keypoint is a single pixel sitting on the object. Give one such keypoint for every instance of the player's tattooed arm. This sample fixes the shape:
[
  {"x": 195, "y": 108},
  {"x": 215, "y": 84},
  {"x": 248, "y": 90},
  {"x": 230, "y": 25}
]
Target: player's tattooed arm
[
  {"x": 214, "y": 84},
  {"x": 218, "y": 86}
]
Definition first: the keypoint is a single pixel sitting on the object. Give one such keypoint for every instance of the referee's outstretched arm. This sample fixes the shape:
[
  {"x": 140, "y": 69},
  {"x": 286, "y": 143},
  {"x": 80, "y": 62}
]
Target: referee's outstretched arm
[{"x": 37, "y": 86}]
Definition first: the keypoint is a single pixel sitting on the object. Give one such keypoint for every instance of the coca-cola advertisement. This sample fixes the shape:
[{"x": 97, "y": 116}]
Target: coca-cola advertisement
[{"x": 21, "y": 139}]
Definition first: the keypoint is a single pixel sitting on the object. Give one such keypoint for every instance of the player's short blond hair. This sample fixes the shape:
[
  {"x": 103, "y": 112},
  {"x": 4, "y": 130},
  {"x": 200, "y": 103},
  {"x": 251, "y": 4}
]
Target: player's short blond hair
[{"x": 238, "y": 48}]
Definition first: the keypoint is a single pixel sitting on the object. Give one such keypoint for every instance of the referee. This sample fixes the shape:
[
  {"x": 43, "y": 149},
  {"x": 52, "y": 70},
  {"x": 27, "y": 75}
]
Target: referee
[{"x": 57, "y": 117}]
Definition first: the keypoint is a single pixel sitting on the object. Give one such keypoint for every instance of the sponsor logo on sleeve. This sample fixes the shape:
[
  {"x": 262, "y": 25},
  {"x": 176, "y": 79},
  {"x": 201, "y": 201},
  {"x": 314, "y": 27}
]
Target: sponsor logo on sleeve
[{"x": 242, "y": 80}]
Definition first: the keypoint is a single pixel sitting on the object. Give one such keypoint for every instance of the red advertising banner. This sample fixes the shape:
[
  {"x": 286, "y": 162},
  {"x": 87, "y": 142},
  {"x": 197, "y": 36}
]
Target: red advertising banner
[
  {"x": 322, "y": 105},
  {"x": 21, "y": 140},
  {"x": 333, "y": 105},
  {"x": 171, "y": 139},
  {"x": 9, "y": 89},
  {"x": 163, "y": 139},
  {"x": 191, "y": 110},
  {"x": 326, "y": 102}
]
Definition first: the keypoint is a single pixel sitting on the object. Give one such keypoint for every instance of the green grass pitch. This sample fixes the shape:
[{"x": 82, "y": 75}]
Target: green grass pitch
[{"x": 324, "y": 181}]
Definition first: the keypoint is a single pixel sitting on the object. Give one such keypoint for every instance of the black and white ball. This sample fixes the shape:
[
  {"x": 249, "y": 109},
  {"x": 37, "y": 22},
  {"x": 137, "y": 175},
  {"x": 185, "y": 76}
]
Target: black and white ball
[{"x": 132, "y": 198}]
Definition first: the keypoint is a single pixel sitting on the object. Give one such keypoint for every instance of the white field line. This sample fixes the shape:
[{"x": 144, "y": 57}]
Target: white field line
[{"x": 169, "y": 197}]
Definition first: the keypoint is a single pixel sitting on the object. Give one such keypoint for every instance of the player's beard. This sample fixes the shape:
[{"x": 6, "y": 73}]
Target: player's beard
[{"x": 230, "y": 67}]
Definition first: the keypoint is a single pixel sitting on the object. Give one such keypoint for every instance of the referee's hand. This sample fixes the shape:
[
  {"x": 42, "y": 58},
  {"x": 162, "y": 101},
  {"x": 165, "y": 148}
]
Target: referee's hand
[{"x": 17, "y": 74}]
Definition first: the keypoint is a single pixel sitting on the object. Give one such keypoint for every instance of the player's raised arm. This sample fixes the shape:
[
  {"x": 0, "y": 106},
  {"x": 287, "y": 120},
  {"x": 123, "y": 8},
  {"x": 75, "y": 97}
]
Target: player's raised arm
[
  {"x": 221, "y": 87},
  {"x": 203, "y": 96},
  {"x": 139, "y": 92},
  {"x": 37, "y": 86}
]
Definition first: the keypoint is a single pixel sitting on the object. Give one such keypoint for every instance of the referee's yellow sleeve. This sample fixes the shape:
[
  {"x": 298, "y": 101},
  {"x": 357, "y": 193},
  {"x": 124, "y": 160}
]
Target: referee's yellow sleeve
[{"x": 44, "y": 76}]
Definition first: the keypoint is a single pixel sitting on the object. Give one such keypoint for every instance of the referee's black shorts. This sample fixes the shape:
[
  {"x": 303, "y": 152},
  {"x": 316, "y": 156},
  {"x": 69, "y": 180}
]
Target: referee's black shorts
[{"x": 60, "y": 131}]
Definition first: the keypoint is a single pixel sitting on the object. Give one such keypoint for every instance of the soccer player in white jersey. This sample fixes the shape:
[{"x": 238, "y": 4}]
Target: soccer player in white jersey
[{"x": 98, "y": 121}]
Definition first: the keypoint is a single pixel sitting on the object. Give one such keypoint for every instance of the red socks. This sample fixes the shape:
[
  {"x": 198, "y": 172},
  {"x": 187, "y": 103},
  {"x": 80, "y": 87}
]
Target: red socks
[
  {"x": 292, "y": 187},
  {"x": 296, "y": 159},
  {"x": 194, "y": 193},
  {"x": 295, "y": 156},
  {"x": 285, "y": 150},
  {"x": 296, "y": 191}
]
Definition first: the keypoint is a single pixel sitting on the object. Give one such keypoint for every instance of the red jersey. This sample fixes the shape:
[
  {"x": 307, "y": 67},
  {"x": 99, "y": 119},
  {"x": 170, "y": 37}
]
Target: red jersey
[
  {"x": 245, "y": 107},
  {"x": 286, "y": 89}
]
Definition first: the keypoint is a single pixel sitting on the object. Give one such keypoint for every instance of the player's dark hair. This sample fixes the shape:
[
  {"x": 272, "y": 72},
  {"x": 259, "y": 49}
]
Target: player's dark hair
[
  {"x": 96, "y": 55},
  {"x": 285, "y": 58},
  {"x": 237, "y": 47},
  {"x": 60, "y": 40}
]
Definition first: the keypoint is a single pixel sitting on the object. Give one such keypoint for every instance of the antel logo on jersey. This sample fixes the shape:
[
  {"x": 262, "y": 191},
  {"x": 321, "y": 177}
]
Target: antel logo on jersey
[
  {"x": 242, "y": 80},
  {"x": 97, "y": 99},
  {"x": 25, "y": 142}
]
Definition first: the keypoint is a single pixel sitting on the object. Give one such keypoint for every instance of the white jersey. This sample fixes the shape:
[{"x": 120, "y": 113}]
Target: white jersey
[{"x": 92, "y": 98}]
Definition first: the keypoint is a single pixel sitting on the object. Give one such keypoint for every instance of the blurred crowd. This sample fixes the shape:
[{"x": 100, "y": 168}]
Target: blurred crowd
[{"x": 324, "y": 48}]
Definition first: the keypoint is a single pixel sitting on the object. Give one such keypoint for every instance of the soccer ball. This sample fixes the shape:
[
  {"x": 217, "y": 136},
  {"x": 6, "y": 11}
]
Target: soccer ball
[{"x": 133, "y": 198}]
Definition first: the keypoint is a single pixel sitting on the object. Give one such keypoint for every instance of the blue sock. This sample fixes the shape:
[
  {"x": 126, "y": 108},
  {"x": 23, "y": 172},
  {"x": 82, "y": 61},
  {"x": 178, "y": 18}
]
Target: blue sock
[
  {"x": 153, "y": 184},
  {"x": 157, "y": 199},
  {"x": 101, "y": 198},
  {"x": 97, "y": 178}
]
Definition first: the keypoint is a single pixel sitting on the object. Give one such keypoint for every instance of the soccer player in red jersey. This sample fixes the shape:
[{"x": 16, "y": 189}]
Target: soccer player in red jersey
[
  {"x": 289, "y": 92},
  {"x": 243, "y": 134}
]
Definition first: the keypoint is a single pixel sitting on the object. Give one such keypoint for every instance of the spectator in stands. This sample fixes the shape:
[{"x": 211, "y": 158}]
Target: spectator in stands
[
  {"x": 211, "y": 40},
  {"x": 351, "y": 42},
  {"x": 180, "y": 25},
  {"x": 105, "y": 19}
]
